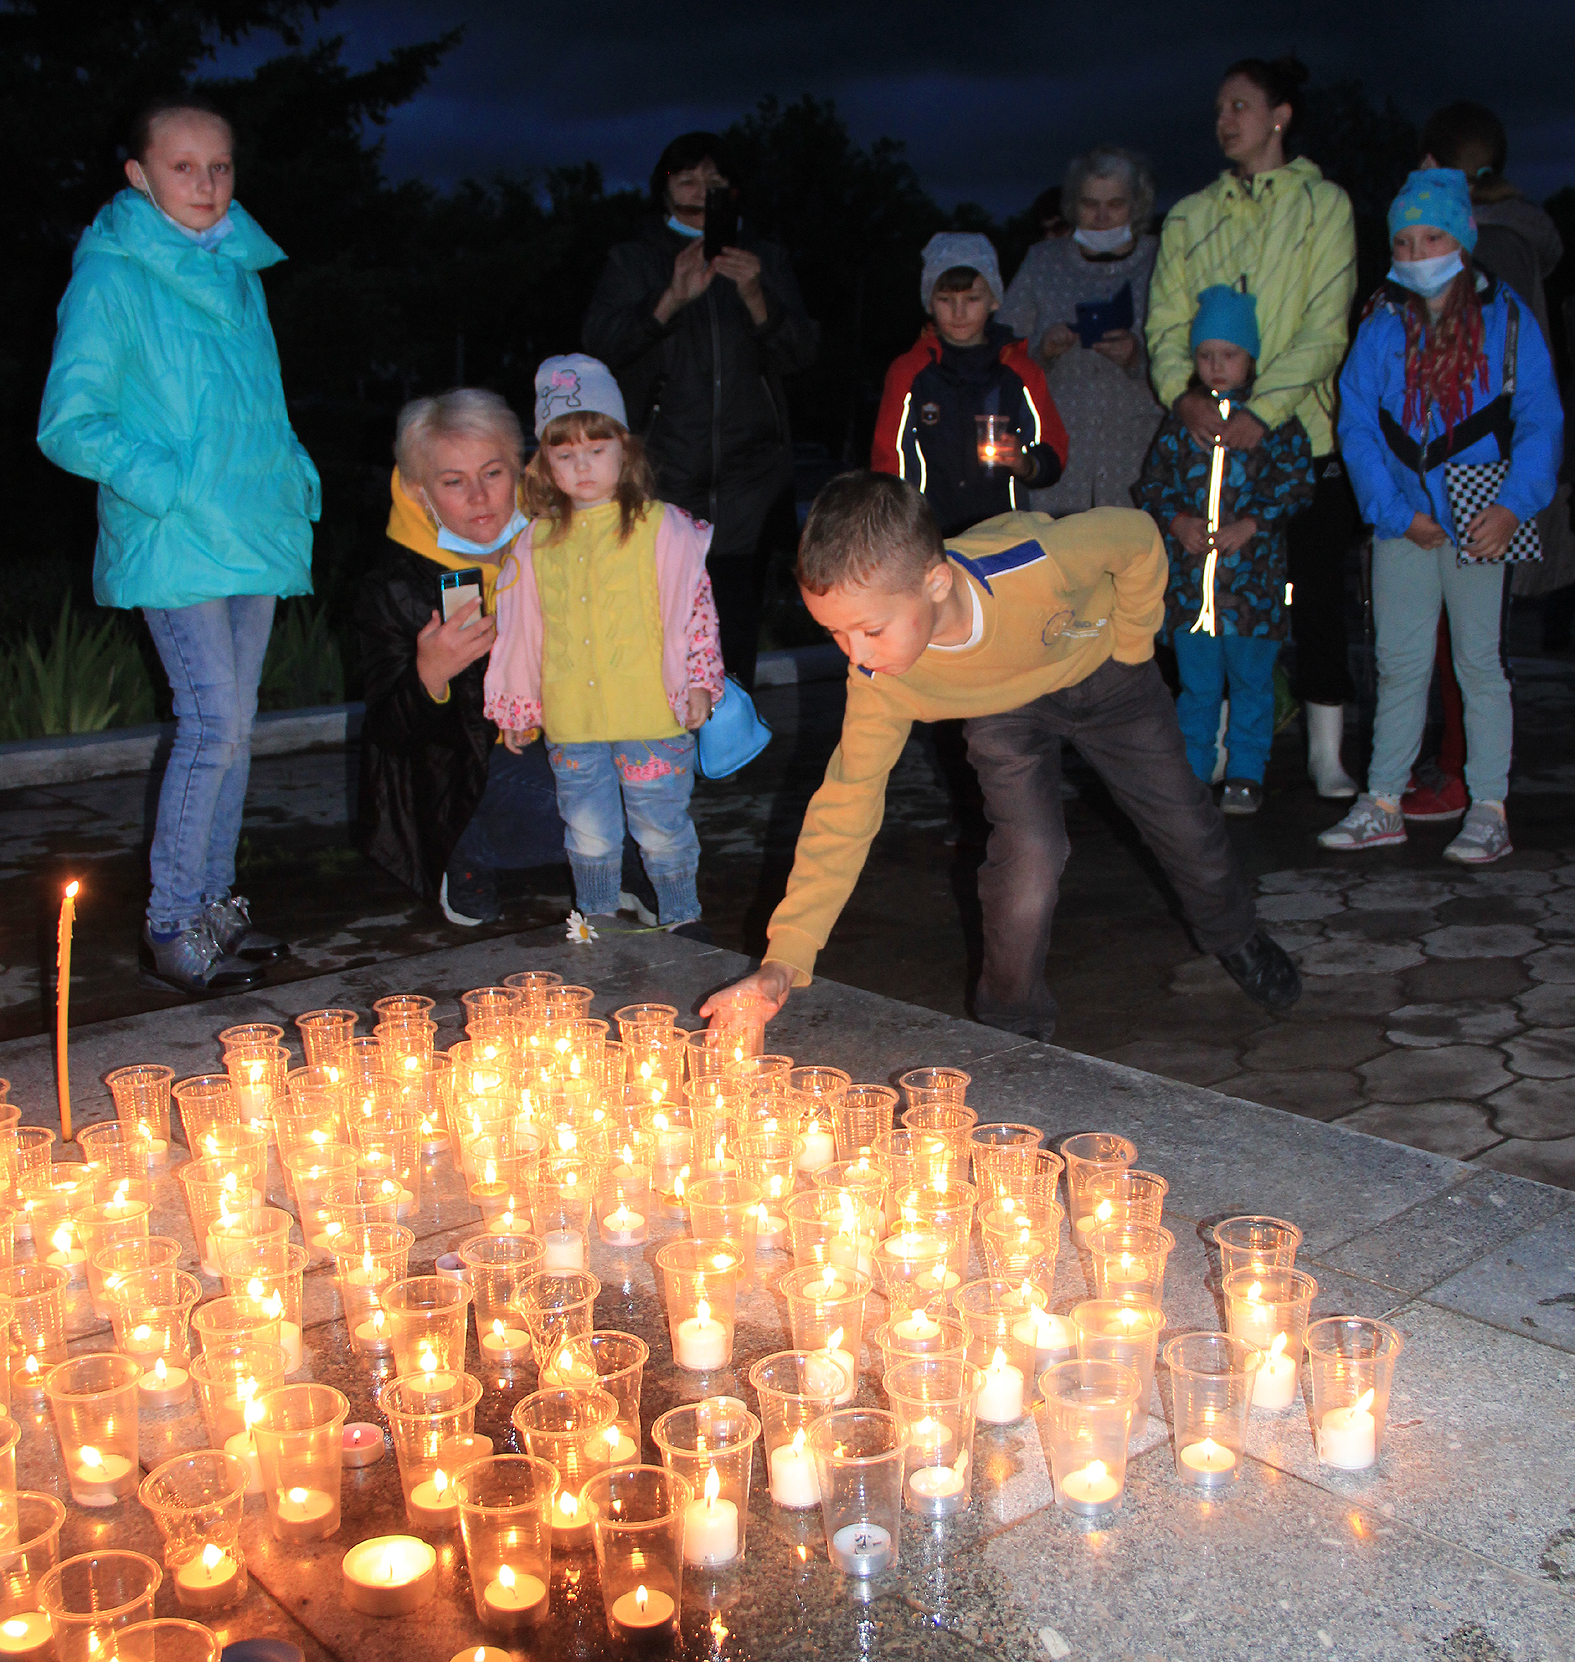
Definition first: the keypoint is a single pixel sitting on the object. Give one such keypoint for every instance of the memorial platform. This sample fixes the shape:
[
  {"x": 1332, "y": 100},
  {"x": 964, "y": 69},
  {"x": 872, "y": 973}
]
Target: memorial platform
[{"x": 1459, "y": 1545}]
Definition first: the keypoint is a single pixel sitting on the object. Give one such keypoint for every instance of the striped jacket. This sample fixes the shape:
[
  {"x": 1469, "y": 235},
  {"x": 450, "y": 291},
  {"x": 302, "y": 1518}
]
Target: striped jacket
[
  {"x": 925, "y": 430},
  {"x": 1287, "y": 237}
]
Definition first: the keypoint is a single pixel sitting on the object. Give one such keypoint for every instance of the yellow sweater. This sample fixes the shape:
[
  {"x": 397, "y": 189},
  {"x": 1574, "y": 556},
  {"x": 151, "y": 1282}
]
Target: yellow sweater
[{"x": 1059, "y": 597}]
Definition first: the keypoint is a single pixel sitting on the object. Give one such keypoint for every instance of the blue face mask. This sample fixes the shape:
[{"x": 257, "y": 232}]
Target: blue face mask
[
  {"x": 676, "y": 224},
  {"x": 463, "y": 545},
  {"x": 1427, "y": 277}
]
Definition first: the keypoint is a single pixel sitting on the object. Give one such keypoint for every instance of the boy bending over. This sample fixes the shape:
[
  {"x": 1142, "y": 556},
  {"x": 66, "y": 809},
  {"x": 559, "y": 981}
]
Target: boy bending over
[{"x": 1032, "y": 630}]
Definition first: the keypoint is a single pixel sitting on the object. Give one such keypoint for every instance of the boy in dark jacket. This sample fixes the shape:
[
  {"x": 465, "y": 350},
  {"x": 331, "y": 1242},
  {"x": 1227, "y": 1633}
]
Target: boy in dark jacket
[
  {"x": 965, "y": 365},
  {"x": 1227, "y": 604}
]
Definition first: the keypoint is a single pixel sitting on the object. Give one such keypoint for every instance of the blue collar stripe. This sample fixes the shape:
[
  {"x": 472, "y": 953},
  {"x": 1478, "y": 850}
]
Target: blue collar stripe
[{"x": 999, "y": 563}]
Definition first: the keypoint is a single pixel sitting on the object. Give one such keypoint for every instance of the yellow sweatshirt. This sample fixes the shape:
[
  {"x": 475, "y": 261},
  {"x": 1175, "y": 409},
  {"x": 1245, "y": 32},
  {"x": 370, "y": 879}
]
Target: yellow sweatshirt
[{"x": 1058, "y": 597}]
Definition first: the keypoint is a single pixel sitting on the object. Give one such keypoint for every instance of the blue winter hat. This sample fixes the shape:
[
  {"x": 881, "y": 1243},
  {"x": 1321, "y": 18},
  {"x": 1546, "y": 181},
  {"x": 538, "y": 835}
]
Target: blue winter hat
[
  {"x": 1437, "y": 196},
  {"x": 1226, "y": 314},
  {"x": 576, "y": 383}
]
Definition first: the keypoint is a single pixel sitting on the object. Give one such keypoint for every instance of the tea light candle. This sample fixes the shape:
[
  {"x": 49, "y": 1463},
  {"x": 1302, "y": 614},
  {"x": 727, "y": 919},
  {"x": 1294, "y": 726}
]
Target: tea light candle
[
  {"x": 771, "y": 1229},
  {"x": 1210, "y": 1463},
  {"x": 482, "y": 1653},
  {"x": 570, "y": 1525},
  {"x": 819, "y": 1149},
  {"x": 1274, "y": 1384},
  {"x": 67, "y": 1254},
  {"x": 794, "y": 1484},
  {"x": 457, "y": 1452},
  {"x": 1090, "y": 1489},
  {"x": 1000, "y": 1398},
  {"x": 390, "y": 1575},
  {"x": 845, "y": 1360},
  {"x": 433, "y": 1503},
  {"x": 563, "y": 1249},
  {"x": 702, "y": 1342},
  {"x": 504, "y": 1224},
  {"x": 372, "y": 1334},
  {"x": 27, "y": 1638},
  {"x": 862, "y": 1549},
  {"x": 1084, "y": 1226},
  {"x": 363, "y": 1445},
  {"x": 207, "y": 1582},
  {"x": 503, "y": 1343},
  {"x": 569, "y": 1369},
  {"x": 675, "y": 1203},
  {"x": 917, "y": 1327},
  {"x": 642, "y": 1610},
  {"x": 301, "y": 1511},
  {"x": 514, "y": 1597},
  {"x": 164, "y": 1386},
  {"x": 930, "y": 1484},
  {"x": 99, "y": 1479},
  {"x": 431, "y": 1381},
  {"x": 621, "y": 1227},
  {"x": 1348, "y": 1437},
  {"x": 940, "y": 1279},
  {"x": 933, "y": 1438},
  {"x": 621, "y": 1447},
  {"x": 1053, "y": 1337},
  {"x": 853, "y": 1252},
  {"x": 28, "y": 1380},
  {"x": 711, "y": 1526}
]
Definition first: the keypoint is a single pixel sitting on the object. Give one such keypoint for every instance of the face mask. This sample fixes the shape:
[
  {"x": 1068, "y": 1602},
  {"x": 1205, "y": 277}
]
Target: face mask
[
  {"x": 1103, "y": 242},
  {"x": 1427, "y": 277},
  {"x": 676, "y": 224},
  {"x": 463, "y": 545},
  {"x": 208, "y": 240}
]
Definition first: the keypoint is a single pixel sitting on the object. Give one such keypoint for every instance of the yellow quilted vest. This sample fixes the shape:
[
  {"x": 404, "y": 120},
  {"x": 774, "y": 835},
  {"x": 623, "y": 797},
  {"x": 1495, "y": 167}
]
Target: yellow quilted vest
[{"x": 601, "y": 658}]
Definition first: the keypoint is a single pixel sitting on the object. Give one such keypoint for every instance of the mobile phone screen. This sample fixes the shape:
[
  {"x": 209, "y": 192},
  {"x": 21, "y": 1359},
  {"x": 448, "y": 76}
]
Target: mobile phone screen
[
  {"x": 721, "y": 220},
  {"x": 459, "y": 588}
]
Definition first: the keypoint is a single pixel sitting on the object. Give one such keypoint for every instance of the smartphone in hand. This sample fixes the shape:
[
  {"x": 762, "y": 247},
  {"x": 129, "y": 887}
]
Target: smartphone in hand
[
  {"x": 721, "y": 220},
  {"x": 458, "y": 589}
]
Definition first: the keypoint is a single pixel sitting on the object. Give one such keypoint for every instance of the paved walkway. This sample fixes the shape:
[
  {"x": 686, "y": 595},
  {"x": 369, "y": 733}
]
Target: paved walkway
[{"x": 1439, "y": 1008}]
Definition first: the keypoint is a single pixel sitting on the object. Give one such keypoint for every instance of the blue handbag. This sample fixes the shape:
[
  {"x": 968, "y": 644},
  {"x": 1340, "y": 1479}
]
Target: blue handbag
[{"x": 733, "y": 735}]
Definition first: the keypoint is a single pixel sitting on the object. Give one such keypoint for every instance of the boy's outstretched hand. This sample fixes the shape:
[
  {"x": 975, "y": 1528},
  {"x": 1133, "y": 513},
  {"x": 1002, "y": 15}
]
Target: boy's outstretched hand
[{"x": 771, "y": 982}]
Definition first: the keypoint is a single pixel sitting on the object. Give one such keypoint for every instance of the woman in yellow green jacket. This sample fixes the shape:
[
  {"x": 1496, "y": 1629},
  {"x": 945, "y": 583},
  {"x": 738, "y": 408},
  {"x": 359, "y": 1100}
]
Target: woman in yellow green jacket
[{"x": 1281, "y": 231}]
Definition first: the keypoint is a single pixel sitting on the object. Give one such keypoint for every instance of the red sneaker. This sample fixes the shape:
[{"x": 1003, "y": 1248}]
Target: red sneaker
[{"x": 1435, "y": 796}]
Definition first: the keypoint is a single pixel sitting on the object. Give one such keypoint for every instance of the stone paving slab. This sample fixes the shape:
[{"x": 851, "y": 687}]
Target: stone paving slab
[{"x": 1442, "y": 1551}]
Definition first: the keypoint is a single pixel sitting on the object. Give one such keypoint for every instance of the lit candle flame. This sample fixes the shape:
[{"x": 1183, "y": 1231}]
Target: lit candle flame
[
  {"x": 92, "y": 1459},
  {"x": 702, "y": 1311},
  {"x": 713, "y": 1487},
  {"x": 160, "y": 1372},
  {"x": 1278, "y": 1346},
  {"x": 211, "y": 1556},
  {"x": 1363, "y": 1402},
  {"x": 641, "y": 1597},
  {"x": 506, "y": 1578},
  {"x": 998, "y": 1362},
  {"x": 798, "y": 1441}
]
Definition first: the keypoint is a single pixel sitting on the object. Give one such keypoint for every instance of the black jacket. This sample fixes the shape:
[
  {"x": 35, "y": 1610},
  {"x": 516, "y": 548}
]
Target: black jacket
[
  {"x": 705, "y": 391},
  {"x": 423, "y": 765}
]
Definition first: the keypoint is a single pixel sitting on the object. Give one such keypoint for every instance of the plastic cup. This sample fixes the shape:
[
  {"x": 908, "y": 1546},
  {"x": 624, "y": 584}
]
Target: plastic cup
[
  {"x": 1085, "y": 1423},
  {"x": 36, "y": 1551},
  {"x": 300, "y": 1444},
  {"x": 166, "y": 1639},
  {"x": 1089, "y": 1155},
  {"x": 1353, "y": 1364},
  {"x": 567, "y": 1427},
  {"x": 556, "y": 1307},
  {"x": 859, "y": 1455},
  {"x": 1002, "y": 1147},
  {"x": 933, "y": 1399},
  {"x": 826, "y": 1314},
  {"x": 700, "y": 1282},
  {"x": 427, "y": 1318},
  {"x": 711, "y": 1445},
  {"x": 1110, "y": 1330},
  {"x": 1129, "y": 1261},
  {"x": 1269, "y": 1309},
  {"x": 637, "y": 1518},
  {"x": 1211, "y": 1377},
  {"x": 505, "y": 1505},
  {"x": 616, "y": 1363},
  {"x": 196, "y": 1500},
  {"x": 90, "y": 1598},
  {"x": 425, "y": 1414},
  {"x": 794, "y": 1388},
  {"x": 1256, "y": 1243},
  {"x": 37, "y": 1293}
]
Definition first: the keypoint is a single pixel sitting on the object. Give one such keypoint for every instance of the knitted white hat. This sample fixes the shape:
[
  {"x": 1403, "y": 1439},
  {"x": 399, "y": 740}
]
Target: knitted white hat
[
  {"x": 576, "y": 382},
  {"x": 949, "y": 248}
]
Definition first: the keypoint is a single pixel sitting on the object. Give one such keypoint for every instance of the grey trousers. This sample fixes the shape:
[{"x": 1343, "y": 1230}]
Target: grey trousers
[{"x": 1123, "y": 723}]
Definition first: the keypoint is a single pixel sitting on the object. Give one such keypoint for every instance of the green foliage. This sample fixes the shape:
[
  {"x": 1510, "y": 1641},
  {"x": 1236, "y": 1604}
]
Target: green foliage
[
  {"x": 90, "y": 676},
  {"x": 303, "y": 667}
]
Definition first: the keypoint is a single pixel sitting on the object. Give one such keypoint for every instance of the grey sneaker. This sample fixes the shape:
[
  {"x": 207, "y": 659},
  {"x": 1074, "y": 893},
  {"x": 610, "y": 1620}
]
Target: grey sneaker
[
  {"x": 1484, "y": 837},
  {"x": 194, "y": 963},
  {"x": 1366, "y": 826},
  {"x": 230, "y": 923},
  {"x": 1241, "y": 796}
]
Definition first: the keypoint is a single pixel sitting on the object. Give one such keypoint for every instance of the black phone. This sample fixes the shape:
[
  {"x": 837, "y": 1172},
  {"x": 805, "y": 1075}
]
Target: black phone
[
  {"x": 458, "y": 589},
  {"x": 721, "y": 220}
]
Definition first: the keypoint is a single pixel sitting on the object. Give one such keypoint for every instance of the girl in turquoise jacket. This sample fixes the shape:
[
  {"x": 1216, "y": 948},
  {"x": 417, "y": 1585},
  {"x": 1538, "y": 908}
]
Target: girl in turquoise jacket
[{"x": 165, "y": 388}]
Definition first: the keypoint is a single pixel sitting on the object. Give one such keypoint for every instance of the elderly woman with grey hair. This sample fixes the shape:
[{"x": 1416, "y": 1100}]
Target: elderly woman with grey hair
[
  {"x": 442, "y": 805},
  {"x": 1080, "y": 302}
]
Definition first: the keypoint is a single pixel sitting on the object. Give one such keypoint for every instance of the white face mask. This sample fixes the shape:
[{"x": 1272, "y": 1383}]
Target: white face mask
[
  {"x": 1427, "y": 277},
  {"x": 207, "y": 240},
  {"x": 463, "y": 545},
  {"x": 1103, "y": 242}
]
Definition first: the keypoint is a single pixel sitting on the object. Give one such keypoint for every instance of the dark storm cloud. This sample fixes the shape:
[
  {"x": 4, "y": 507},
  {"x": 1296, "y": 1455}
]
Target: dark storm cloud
[{"x": 990, "y": 98}]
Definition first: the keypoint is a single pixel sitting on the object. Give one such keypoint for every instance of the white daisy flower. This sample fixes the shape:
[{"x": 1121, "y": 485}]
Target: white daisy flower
[{"x": 580, "y": 931}]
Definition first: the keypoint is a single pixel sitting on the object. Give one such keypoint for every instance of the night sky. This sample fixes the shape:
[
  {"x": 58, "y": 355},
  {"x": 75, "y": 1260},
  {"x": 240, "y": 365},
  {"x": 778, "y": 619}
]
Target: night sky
[{"x": 990, "y": 98}]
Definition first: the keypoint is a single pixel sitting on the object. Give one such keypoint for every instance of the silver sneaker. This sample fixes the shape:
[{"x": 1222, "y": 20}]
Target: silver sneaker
[
  {"x": 230, "y": 924},
  {"x": 1368, "y": 825},
  {"x": 193, "y": 962},
  {"x": 1484, "y": 837}
]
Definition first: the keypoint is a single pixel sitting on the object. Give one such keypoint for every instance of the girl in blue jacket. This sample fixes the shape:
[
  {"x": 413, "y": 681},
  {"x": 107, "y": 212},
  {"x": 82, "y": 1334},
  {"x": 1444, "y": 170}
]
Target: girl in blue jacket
[
  {"x": 165, "y": 388},
  {"x": 1425, "y": 387}
]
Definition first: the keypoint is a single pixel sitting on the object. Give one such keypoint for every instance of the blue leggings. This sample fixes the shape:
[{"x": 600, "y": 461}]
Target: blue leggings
[{"x": 1206, "y": 663}]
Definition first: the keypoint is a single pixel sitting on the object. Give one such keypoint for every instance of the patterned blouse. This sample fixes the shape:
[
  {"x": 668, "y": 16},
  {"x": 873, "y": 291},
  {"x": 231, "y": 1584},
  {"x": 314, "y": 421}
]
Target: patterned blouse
[{"x": 1110, "y": 414}]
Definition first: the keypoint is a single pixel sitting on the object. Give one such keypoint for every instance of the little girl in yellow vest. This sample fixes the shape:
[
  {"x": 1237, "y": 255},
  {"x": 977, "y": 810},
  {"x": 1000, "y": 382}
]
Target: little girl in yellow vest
[{"x": 607, "y": 641}]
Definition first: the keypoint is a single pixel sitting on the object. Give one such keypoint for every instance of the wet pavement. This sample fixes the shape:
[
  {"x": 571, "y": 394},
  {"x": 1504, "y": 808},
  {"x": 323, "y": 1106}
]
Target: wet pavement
[{"x": 1439, "y": 1008}]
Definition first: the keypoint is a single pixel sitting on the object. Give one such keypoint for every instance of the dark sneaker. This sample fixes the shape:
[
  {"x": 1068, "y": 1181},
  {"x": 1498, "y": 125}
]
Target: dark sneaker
[
  {"x": 1262, "y": 968},
  {"x": 469, "y": 896},
  {"x": 230, "y": 924},
  {"x": 194, "y": 963},
  {"x": 1241, "y": 796}
]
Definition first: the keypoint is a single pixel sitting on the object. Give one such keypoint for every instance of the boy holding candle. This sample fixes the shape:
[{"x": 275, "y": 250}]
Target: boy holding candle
[
  {"x": 1032, "y": 630},
  {"x": 965, "y": 366}
]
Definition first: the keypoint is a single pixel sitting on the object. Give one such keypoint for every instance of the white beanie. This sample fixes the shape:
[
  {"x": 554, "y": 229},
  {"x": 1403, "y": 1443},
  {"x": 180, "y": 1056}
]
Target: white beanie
[
  {"x": 576, "y": 383},
  {"x": 952, "y": 248}
]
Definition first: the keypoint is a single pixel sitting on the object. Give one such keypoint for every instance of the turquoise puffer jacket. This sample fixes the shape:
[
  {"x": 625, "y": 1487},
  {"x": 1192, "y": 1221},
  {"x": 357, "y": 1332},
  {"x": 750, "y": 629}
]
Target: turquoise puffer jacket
[{"x": 165, "y": 388}]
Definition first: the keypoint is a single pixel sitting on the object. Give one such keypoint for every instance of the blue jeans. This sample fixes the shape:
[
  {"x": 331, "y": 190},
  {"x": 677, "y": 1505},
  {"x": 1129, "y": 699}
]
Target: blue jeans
[
  {"x": 649, "y": 779},
  {"x": 1206, "y": 663},
  {"x": 516, "y": 824},
  {"x": 1409, "y": 585},
  {"x": 213, "y": 656}
]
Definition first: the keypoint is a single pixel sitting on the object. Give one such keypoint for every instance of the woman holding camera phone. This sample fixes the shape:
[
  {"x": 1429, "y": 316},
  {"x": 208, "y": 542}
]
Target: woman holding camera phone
[
  {"x": 699, "y": 346},
  {"x": 165, "y": 389}
]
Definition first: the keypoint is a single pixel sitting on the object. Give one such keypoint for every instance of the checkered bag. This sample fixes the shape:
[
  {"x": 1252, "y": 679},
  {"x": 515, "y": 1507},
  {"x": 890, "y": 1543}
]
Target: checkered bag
[{"x": 1473, "y": 486}]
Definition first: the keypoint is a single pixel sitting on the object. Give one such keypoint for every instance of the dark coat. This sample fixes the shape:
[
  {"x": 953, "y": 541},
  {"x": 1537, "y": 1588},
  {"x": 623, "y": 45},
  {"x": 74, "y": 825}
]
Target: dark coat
[
  {"x": 423, "y": 765},
  {"x": 705, "y": 391}
]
